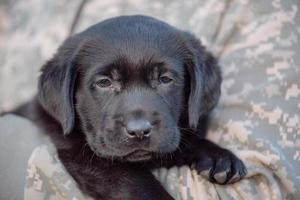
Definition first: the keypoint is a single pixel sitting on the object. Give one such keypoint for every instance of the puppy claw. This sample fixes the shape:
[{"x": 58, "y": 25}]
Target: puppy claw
[
  {"x": 235, "y": 178},
  {"x": 205, "y": 173},
  {"x": 222, "y": 167},
  {"x": 221, "y": 177}
]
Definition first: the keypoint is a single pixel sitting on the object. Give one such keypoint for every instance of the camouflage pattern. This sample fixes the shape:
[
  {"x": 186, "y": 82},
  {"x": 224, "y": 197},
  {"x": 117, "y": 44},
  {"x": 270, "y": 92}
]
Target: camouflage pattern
[
  {"x": 258, "y": 46},
  {"x": 30, "y": 32},
  {"x": 47, "y": 177}
]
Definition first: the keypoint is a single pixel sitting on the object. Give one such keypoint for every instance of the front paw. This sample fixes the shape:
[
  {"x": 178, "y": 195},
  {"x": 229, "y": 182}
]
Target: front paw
[{"x": 220, "y": 166}]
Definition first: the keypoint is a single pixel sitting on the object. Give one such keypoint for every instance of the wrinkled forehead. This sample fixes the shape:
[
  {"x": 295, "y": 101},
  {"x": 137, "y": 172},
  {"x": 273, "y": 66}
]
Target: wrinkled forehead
[
  {"x": 125, "y": 67},
  {"x": 132, "y": 57}
]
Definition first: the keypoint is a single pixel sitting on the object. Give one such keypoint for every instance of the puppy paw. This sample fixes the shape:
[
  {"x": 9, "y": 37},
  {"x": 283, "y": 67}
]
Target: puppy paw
[{"x": 220, "y": 166}]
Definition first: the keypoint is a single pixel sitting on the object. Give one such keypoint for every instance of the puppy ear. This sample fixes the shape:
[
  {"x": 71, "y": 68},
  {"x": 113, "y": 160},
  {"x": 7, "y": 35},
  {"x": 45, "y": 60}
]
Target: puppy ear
[
  {"x": 56, "y": 88},
  {"x": 205, "y": 81}
]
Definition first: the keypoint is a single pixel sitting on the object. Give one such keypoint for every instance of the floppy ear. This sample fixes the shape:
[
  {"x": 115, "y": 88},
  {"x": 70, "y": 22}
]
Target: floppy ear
[
  {"x": 56, "y": 88},
  {"x": 205, "y": 80}
]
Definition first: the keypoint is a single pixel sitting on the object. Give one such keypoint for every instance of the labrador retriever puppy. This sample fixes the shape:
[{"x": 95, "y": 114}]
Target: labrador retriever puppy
[{"x": 128, "y": 95}]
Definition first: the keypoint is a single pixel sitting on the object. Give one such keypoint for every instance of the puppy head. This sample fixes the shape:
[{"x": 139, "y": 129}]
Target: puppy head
[{"x": 129, "y": 80}]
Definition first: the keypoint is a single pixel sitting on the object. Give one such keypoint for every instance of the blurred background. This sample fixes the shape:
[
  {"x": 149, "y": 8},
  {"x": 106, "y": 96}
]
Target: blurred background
[
  {"x": 32, "y": 30},
  {"x": 257, "y": 43}
]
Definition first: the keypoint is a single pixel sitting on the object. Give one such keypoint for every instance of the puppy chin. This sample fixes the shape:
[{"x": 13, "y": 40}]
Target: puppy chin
[
  {"x": 138, "y": 155},
  {"x": 134, "y": 156}
]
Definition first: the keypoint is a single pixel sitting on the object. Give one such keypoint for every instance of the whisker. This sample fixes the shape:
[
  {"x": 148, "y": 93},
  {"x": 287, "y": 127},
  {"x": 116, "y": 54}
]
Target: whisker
[
  {"x": 82, "y": 151},
  {"x": 91, "y": 159},
  {"x": 187, "y": 130}
]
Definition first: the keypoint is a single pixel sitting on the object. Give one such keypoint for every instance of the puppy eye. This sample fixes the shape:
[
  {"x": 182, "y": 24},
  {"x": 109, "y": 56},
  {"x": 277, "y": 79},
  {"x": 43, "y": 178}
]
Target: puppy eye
[
  {"x": 105, "y": 82},
  {"x": 165, "y": 79}
]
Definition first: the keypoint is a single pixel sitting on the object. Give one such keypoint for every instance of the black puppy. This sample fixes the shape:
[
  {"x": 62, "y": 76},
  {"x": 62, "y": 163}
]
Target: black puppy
[{"x": 128, "y": 95}]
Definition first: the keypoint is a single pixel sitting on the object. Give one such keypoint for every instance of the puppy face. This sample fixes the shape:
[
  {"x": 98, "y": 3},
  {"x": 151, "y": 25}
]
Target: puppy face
[
  {"x": 130, "y": 80},
  {"x": 130, "y": 108}
]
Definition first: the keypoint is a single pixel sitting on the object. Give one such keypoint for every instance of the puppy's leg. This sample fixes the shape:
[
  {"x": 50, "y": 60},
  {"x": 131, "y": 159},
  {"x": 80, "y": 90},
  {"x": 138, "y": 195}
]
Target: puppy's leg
[
  {"x": 103, "y": 180},
  {"x": 217, "y": 164},
  {"x": 214, "y": 163}
]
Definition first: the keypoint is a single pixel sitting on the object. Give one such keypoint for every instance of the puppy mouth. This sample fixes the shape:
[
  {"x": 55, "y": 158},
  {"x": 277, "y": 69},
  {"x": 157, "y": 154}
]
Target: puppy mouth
[{"x": 138, "y": 155}]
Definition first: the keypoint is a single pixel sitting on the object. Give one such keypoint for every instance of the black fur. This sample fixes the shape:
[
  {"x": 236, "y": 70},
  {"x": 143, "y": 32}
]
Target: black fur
[{"x": 131, "y": 70}]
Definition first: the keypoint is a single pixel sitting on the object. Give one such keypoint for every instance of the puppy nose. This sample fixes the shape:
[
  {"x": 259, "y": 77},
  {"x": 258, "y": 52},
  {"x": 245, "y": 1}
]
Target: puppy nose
[{"x": 138, "y": 128}]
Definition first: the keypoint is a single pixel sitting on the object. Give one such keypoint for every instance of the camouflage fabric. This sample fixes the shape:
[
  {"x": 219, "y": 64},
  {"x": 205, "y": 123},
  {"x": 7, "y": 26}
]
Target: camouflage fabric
[
  {"x": 258, "y": 46},
  {"x": 48, "y": 179}
]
